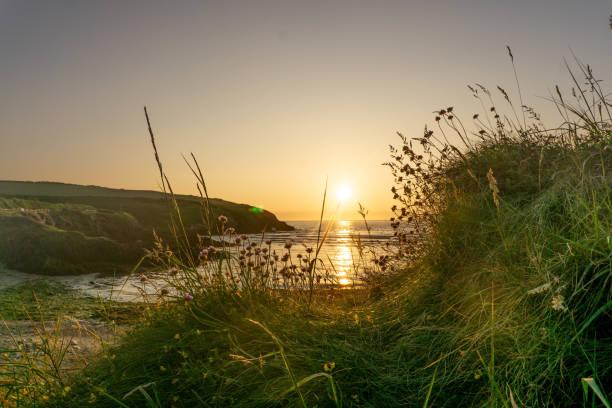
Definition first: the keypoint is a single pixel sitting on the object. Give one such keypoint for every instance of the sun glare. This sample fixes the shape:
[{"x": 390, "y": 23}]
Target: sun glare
[{"x": 344, "y": 193}]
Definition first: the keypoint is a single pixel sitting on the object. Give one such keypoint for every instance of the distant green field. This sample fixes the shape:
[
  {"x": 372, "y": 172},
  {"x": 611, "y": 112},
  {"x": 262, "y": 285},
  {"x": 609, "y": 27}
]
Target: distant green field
[{"x": 57, "y": 228}]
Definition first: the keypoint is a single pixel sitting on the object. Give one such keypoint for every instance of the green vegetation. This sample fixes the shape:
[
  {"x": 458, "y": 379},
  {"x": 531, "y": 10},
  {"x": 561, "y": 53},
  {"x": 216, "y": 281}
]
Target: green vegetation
[
  {"x": 62, "y": 229},
  {"x": 46, "y": 300},
  {"x": 501, "y": 295}
]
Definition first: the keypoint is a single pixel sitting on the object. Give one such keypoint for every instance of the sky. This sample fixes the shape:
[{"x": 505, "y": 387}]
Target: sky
[{"x": 273, "y": 97}]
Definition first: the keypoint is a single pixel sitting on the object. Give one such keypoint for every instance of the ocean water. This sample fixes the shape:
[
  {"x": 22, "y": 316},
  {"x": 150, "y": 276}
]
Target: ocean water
[{"x": 340, "y": 252}]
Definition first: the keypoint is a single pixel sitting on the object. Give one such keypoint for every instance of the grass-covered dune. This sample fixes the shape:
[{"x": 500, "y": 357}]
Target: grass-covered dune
[
  {"x": 57, "y": 228},
  {"x": 501, "y": 294}
]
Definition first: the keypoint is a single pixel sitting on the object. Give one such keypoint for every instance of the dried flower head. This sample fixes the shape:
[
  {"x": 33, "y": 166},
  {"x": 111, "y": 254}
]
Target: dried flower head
[{"x": 558, "y": 303}]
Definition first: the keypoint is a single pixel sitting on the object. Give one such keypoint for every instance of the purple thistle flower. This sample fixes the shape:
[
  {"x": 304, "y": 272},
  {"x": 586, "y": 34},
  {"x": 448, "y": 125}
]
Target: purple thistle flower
[
  {"x": 188, "y": 297},
  {"x": 223, "y": 219}
]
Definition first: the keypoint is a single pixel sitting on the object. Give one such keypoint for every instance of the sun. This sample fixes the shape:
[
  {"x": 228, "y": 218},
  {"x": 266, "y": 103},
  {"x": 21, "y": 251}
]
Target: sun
[{"x": 344, "y": 193}]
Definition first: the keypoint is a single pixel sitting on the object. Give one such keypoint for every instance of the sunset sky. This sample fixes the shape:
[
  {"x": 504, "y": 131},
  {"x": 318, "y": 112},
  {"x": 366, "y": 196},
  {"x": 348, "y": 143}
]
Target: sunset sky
[{"x": 272, "y": 97}]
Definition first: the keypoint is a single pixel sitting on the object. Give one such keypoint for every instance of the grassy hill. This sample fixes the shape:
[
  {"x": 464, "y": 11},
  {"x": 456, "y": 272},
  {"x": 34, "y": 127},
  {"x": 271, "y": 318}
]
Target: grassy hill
[
  {"x": 58, "y": 228},
  {"x": 500, "y": 296}
]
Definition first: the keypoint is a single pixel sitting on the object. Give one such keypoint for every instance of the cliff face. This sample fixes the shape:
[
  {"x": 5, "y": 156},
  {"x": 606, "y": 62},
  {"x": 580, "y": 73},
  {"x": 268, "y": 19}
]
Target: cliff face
[{"x": 57, "y": 228}]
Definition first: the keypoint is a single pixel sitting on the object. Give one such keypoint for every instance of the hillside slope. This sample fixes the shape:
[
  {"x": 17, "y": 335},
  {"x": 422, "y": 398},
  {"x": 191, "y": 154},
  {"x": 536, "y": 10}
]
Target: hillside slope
[{"x": 58, "y": 228}]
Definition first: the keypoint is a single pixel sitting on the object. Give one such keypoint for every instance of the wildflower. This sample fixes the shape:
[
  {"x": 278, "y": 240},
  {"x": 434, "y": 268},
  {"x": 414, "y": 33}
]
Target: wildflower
[
  {"x": 539, "y": 289},
  {"x": 268, "y": 242},
  {"x": 177, "y": 336},
  {"x": 288, "y": 244},
  {"x": 230, "y": 231},
  {"x": 188, "y": 296},
  {"x": 67, "y": 389},
  {"x": 558, "y": 303},
  {"x": 309, "y": 250},
  {"x": 172, "y": 271},
  {"x": 204, "y": 253},
  {"x": 212, "y": 250},
  {"x": 143, "y": 278},
  {"x": 198, "y": 332},
  {"x": 475, "y": 116},
  {"x": 222, "y": 219},
  {"x": 356, "y": 318},
  {"x": 162, "y": 368},
  {"x": 92, "y": 398},
  {"x": 476, "y": 376},
  {"x": 174, "y": 380},
  {"x": 244, "y": 237}
]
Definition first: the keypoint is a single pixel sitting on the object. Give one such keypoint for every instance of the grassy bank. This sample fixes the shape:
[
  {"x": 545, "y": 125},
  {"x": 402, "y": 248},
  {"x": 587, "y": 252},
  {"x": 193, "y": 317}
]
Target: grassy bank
[{"x": 499, "y": 296}]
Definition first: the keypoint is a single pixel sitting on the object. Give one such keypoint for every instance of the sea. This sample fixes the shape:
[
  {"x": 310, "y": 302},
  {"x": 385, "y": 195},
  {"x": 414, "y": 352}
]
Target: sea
[{"x": 346, "y": 248}]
